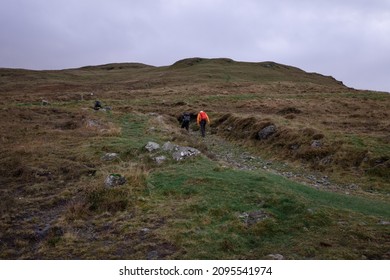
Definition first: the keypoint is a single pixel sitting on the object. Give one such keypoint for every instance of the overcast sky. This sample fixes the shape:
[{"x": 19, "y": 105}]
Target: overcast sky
[{"x": 347, "y": 39}]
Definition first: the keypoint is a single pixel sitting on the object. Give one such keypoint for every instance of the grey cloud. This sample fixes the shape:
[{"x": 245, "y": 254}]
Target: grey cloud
[{"x": 346, "y": 39}]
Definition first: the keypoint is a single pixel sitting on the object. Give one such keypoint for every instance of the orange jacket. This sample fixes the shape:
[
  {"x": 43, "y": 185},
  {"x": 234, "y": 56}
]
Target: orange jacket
[{"x": 202, "y": 116}]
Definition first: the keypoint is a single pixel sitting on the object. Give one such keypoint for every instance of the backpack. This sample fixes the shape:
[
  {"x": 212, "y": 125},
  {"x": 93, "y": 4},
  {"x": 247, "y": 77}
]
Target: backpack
[
  {"x": 186, "y": 118},
  {"x": 203, "y": 116}
]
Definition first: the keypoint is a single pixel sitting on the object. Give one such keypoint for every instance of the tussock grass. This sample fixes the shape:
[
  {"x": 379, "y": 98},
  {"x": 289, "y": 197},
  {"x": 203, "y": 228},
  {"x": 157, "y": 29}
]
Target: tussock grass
[{"x": 55, "y": 206}]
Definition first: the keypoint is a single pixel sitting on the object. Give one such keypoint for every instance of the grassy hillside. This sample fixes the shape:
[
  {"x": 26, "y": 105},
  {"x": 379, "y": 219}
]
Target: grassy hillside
[{"x": 317, "y": 188}]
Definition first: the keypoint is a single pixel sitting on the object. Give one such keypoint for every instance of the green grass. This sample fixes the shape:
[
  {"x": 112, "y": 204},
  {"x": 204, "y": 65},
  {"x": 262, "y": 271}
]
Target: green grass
[
  {"x": 208, "y": 202},
  {"x": 196, "y": 208},
  {"x": 131, "y": 139}
]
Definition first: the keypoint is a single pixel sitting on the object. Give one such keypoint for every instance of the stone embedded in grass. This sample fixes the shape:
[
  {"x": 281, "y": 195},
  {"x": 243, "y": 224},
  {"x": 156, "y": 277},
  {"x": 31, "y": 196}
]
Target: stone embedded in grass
[
  {"x": 160, "y": 159},
  {"x": 110, "y": 156},
  {"x": 276, "y": 256},
  {"x": 316, "y": 144},
  {"x": 168, "y": 146},
  {"x": 45, "y": 102},
  {"x": 254, "y": 217},
  {"x": 178, "y": 152},
  {"x": 152, "y": 146},
  {"x": 114, "y": 180},
  {"x": 184, "y": 152},
  {"x": 266, "y": 132}
]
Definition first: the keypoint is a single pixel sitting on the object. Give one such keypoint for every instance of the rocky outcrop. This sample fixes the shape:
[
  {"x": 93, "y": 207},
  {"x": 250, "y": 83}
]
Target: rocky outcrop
[
  {"x": 181, "y": 153},
  {"x": 177, "y": 152}
]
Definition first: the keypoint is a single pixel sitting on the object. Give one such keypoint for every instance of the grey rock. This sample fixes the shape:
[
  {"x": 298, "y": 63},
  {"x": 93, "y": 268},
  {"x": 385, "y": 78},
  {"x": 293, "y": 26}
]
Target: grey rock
[
  {"x": 152, "y": 255},
  {"x": 93, "y": 123},
  {"x": 294, "y": 147},
  {"x": 266, "y": 132},
  {"x": 276, "y": 256},
  {"x": 110, "y": 156},
  {"x": 327, "y": 160},
  {"x": 254, "y": 217},
  {"x": 152, "y": 146},
  {"x": 160, "y": 159},
  {"x": 184, "y": 152},
  {"x": 316, "y": 144},
  {"x": 168, "y": 146},
  {"x": 114, "y": 180}
]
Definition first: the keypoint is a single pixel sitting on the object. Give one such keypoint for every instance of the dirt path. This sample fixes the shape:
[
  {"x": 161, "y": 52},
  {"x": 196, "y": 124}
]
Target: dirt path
[{"x": 238, "y": 157}]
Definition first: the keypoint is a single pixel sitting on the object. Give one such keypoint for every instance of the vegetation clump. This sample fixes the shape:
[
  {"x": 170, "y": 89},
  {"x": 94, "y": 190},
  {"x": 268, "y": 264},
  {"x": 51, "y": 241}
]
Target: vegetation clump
[{"x": 295, "y": 165}]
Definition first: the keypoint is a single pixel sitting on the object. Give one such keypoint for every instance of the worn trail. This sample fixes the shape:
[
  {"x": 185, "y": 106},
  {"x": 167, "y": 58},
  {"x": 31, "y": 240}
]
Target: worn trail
[{"x": 235, "y": 156}]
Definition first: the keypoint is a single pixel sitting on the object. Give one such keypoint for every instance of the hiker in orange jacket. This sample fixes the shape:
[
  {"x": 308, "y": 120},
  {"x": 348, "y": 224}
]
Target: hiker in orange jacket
[{"x": 201, "y": 120}]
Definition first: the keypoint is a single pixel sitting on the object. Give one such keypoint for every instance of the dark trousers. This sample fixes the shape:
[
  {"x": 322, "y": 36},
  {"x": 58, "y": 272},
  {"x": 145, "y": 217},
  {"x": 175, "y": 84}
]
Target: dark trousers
[
  {"x": 203, "y": 127},
  {"x": 185, "y": 124}
]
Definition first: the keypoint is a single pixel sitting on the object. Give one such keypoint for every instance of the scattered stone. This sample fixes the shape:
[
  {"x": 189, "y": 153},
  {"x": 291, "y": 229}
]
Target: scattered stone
[
  {"x": 110, "y": 156},
  {"x": 169, "y": 147},
  {"x": 152, "y": 255},
  {"x": 327, "y": 160},
  {"x": 254, "y": 217},
  {"x": 288, "y": 174},
  {"x": 311, "y": 178},
  {"x": 266, "y": 132},
  {"x": 294, "y": 147},
  {"x": 160, "y": 159},
  {"x": 93, "y": 123},
  {"x": 352, "y": 187},
  {"x": 276, "y": 256},
  {"x": 152, "y": 146},
  {"x": 323, "y": 181},
  {"x": 316, "y": 144},
  {"x": 114, "y": 180},
  {"x": 184, "y": 152}
]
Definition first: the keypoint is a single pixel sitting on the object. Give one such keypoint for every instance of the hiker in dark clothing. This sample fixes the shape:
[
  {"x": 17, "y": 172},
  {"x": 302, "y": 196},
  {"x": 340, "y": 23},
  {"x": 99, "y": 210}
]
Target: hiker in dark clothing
[
  {"x": 98, "y": 105},
  {"x": 201, "y": 120},
  {"x": 185, "y": 122}
]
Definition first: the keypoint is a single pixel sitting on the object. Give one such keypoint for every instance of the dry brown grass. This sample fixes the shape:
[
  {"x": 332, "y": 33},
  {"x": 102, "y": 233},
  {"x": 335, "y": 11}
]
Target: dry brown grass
[{"x": 51, "y": 171}]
